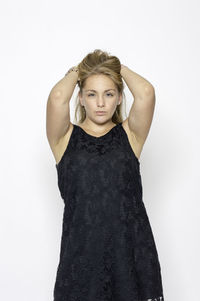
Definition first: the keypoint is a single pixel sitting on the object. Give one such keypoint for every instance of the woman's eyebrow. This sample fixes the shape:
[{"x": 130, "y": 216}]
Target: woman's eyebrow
[{"x": 96, "y": 91}]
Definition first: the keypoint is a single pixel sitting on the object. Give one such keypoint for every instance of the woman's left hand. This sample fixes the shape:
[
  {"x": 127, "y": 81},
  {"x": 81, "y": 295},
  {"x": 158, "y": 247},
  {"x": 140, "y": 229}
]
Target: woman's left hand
[{"x": 122, "y": 66}]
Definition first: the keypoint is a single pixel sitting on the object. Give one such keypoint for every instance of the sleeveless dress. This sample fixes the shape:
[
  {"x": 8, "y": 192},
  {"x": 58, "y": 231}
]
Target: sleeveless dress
[{"x": 107, "y": 252}]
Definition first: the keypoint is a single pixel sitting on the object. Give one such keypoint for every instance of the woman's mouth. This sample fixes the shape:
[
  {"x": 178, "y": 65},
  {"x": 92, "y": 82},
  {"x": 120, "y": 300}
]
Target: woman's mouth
[{"x": 100, "y": 112}]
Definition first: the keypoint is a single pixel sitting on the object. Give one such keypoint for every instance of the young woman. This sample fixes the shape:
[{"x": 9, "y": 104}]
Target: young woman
[{"x": 107, "y": 249}]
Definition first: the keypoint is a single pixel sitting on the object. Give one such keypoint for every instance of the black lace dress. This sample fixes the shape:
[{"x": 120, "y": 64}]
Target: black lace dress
[{"x": 108, "y": 252}]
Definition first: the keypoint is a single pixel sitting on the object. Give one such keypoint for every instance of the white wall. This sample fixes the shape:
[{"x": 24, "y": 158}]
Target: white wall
[{"x": 40, "y": 41}]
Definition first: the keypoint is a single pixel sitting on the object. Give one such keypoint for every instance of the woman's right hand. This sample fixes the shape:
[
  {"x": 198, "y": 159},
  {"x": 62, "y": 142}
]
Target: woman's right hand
[{"x": 77, "y": 72}]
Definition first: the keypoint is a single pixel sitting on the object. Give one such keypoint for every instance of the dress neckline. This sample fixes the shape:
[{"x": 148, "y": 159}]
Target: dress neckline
[{"x": 99, "y": 137}]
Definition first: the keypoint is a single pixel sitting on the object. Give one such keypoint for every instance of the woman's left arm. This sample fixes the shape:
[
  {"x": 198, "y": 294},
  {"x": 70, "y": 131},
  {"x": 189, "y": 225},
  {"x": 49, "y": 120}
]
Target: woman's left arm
[{"x": 141, "y": 113}]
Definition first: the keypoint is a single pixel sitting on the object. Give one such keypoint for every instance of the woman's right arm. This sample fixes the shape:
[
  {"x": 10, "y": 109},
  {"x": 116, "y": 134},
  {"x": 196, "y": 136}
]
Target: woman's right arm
[{"x": 58, "y": 110}]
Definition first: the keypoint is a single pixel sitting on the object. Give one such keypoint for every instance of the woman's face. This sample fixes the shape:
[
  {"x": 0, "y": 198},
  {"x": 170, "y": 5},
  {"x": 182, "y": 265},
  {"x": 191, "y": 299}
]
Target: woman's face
[{"x": 100, "y": 94}]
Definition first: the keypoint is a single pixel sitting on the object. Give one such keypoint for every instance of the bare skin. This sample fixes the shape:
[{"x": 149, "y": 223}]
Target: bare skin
[{"x": 101, "y": 99}]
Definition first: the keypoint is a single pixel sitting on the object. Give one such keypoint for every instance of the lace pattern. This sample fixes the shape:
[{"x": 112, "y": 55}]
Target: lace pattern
[{"x": 108, "y": 252}]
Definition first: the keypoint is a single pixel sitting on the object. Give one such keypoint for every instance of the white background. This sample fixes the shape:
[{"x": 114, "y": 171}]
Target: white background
[{"x": 40, "y": 41}]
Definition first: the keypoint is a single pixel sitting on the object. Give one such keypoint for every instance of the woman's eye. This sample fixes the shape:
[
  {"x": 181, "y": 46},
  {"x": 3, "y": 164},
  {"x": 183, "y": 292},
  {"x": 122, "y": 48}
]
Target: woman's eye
[{"x": 92, "y": 94}]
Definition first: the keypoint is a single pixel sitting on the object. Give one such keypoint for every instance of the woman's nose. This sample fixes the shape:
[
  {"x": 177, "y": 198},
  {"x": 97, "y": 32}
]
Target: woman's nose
[{"x": 100, "y": 101}]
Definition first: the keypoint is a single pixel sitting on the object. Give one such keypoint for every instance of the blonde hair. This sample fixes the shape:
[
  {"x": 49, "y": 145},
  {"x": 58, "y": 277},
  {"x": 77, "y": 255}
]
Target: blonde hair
[{"x": 100, "y": 62}]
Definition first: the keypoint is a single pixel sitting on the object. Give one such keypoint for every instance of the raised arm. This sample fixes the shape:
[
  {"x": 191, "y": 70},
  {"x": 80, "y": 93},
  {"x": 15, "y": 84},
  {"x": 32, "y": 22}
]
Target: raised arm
[
  {"x": 141, "y": 112},
  {"x": 58, "y": 110}
]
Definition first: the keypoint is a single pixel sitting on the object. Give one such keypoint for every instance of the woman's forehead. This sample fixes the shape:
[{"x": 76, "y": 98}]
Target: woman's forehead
[{"x": 99, "y": 84}]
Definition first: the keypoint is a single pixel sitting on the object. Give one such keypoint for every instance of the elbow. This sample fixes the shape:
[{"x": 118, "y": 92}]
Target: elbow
[
  {"x": 149, "y": 90},
  {"x": 55, "y": 94},
  {"x": 56, "y": 97}
]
